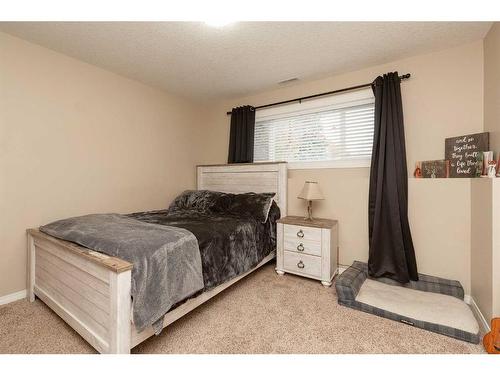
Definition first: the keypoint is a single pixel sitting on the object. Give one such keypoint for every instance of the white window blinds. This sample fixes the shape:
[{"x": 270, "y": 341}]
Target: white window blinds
[{"x": 337, "y": 129}]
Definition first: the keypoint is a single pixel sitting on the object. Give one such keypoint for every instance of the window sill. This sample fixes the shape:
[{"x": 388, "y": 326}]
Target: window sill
[{"x": 329, "y": 164}]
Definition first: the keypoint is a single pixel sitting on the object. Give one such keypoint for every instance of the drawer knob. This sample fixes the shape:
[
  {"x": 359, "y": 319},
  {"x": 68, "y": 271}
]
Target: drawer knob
[
  {"x": 300, "y": 264},
  {"x": 300, "y": 234},
  {"x": 300, "y": 247}
]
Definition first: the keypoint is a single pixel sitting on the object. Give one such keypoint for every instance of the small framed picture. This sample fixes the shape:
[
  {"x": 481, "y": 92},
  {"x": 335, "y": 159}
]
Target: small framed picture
[{"x": 435, "y": 168}]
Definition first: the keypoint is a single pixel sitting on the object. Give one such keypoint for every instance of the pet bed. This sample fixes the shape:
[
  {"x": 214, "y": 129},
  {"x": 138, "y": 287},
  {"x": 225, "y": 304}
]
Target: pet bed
[{"x": 432, "y": 303}]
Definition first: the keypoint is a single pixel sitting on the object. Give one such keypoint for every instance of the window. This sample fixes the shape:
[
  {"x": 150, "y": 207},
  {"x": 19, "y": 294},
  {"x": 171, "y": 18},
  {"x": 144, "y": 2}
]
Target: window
[{"x": 331, "y": 132}]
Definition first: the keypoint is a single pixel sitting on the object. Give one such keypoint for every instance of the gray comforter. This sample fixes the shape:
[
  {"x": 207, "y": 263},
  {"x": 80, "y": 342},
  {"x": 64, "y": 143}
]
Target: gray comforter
[{"x": 167, "y": 263}]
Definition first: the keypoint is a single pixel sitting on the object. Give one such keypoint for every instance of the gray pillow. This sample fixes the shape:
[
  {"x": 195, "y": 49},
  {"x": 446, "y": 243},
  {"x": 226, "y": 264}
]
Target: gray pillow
[
  {"x": 247, "y": 205},
  {"x": 253, "y": 205},
  {"x": 202, "y": 201}
]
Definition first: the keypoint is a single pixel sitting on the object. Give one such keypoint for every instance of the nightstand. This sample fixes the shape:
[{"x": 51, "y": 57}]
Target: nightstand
[{"x": 307, "y": 248}]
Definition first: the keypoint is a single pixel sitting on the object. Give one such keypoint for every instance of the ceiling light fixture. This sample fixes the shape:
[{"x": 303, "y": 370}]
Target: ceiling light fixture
[{"x": 219, "y": 23}]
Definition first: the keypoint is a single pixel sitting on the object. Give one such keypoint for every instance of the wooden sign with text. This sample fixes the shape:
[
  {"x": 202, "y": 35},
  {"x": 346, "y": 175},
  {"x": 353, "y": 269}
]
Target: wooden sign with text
[
  {"x": 462, "y": 152},
  {"x": 435, "y": 168}
]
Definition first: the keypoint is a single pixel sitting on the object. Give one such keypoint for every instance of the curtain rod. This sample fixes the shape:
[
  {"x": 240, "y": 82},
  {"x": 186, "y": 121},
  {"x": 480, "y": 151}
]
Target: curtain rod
[{"x": 404, "y": 76}]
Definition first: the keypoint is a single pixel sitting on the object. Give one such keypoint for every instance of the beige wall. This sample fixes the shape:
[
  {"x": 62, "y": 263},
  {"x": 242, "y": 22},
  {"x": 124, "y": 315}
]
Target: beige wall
[
  {"x": 495, "y": 250},
  {"x": 492, "y": 85},
  {"x": 443, "y": 98},
  {"x": 485, "y": 245},
  {"x": 482, "y": 245},
  {"x": 485, "y": 194},
  {"x": 76, "y": 139}
]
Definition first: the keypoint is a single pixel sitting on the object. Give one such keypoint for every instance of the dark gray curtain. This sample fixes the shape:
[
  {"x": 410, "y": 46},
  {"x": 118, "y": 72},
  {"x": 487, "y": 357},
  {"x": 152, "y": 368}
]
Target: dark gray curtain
[
  {"x": 241, "y": 137},
  {"x": 391, "y": 247}
]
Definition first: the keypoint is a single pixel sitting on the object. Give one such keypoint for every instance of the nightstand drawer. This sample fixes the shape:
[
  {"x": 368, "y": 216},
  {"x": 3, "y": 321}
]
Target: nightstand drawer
[
  {"x": 302, "y": 263},
  {"x": 303, "y": 246},
  {"x": 296, "y": 232}
]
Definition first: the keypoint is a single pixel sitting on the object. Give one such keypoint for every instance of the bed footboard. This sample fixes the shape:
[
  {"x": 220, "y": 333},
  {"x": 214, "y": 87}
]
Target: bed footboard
[
  {"x": 91, "y": 291},
  {"x": 88, "y": 290}
]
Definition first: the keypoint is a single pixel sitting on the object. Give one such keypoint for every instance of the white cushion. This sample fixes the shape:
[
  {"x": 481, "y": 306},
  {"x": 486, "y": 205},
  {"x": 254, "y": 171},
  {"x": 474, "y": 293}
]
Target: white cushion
[{"x": 424, "y": 306}]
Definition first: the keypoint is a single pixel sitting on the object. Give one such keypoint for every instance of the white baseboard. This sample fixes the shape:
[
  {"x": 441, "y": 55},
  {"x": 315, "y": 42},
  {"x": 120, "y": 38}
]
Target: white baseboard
[
  {"x": 485, "y": 327},
  {"x": 12, "y": 297}
]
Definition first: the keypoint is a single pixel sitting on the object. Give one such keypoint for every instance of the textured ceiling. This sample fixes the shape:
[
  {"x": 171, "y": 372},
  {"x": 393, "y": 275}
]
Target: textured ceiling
[{"x": 195, "y": 60}]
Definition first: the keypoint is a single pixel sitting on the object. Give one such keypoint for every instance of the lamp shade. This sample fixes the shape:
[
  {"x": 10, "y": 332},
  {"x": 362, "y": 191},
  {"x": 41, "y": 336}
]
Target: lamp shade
[{"x": 311, "y": 191}]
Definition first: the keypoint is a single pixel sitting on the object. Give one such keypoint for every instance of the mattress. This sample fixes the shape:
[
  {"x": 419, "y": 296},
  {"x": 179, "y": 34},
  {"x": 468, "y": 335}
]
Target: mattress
[{"x": 432, "y": 303}]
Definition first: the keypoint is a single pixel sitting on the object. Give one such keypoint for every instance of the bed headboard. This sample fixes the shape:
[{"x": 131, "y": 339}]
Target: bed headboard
[{"x": 245, "y": 178}]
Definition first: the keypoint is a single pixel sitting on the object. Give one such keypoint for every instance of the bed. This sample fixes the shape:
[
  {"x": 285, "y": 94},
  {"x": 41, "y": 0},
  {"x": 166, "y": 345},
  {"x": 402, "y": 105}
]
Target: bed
[{"x": 91, "y": 291}]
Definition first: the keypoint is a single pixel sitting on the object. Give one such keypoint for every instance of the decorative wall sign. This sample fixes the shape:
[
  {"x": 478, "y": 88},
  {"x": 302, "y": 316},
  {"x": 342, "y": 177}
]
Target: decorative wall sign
[
  {"x": 462, "y": 152},
  {"x": 435, "y": 168}
]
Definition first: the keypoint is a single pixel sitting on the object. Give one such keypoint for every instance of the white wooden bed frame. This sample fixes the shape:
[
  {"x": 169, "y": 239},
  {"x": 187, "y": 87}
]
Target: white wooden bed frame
[{"x": 91, "y": 291}]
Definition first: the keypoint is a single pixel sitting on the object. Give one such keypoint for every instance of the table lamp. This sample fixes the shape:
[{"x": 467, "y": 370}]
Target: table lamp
[{"x": 310, "y": 192}]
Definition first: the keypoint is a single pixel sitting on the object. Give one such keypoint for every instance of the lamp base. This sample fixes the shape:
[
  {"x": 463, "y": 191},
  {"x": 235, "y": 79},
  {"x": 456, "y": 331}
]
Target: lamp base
[{"x": 309, "y": 216}]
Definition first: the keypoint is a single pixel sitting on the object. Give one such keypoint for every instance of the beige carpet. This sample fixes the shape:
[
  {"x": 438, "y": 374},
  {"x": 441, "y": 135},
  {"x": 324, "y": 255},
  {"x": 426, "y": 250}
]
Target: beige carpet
[{"x": 263, "y": 313}]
